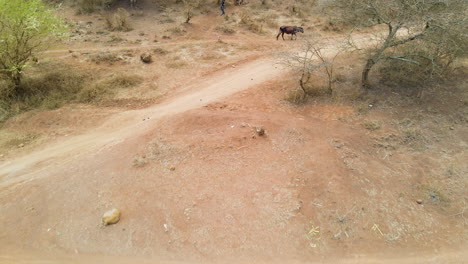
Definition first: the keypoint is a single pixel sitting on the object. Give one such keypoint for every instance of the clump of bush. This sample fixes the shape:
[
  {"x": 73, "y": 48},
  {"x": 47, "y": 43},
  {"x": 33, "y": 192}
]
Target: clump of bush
[
  {"x": 118, "y": 21},
  {"x": 89, "y": 6},
  {"x": 296, "y": 96}
]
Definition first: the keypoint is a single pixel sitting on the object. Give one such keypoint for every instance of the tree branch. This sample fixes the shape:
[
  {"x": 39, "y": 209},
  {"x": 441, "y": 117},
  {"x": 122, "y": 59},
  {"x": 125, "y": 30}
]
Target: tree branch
[{"x": 403, "y": 59}]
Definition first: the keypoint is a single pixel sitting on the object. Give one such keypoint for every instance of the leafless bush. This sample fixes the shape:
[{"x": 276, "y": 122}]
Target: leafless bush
[
  {"x": 422, "y": 63},
  {"x": 308, "y": 62},
  {"x": 118, "y": 21}
]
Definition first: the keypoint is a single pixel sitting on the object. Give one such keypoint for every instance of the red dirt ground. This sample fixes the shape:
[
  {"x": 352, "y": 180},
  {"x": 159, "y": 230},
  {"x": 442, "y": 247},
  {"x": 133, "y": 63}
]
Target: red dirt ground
[{"x": 196, "y": 183}]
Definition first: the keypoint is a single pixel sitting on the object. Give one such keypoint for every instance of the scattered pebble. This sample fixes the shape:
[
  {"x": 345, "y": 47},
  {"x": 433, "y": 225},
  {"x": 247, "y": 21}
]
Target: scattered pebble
[
  {"x": 419, "y": 201},
  {"x": 452, "y": 128},
  {"x": 21, "y": 145},
  {"x": 260, "y": 131},
  {"x": 172, "y": 168},
  {"x": 111, "y": 217}
]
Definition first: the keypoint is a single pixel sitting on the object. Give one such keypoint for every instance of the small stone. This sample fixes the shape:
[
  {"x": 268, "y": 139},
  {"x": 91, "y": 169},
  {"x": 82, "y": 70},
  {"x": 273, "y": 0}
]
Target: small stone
[
  {"x": 419, "y": 201},
  {"x": 452, "y": 128},
  {"x": 111, "y": 217},
  {"x": 260, "y": 131},
  {"x": 21, "y": 145},
  {"x": 172, "y": 168}
]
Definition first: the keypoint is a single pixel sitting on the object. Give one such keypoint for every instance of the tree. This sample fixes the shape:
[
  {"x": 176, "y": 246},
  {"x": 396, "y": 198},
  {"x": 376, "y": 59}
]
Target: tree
[
  {"x": 439, "y": 25},
  {"x": 25, "y": 27}
]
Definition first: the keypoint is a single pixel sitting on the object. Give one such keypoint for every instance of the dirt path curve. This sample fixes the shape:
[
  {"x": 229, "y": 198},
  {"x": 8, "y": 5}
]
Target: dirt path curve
[{"x": 136, "y": 122}]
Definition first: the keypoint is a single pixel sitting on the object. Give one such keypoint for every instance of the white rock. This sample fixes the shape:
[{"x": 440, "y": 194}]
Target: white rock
[{"x": 111, "y": 217}]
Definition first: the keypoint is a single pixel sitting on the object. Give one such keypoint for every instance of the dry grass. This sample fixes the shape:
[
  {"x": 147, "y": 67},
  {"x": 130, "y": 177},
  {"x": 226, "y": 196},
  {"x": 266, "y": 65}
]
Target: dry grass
[
  {"x": 177, "y": 30},
  {"x": 414, "y": 139},
  {"x": 226, "y": 29},
  {"x": 212, "y": 55},
  {"x": 139, "y": 161},
  {"x": 251, "y": 21},
  {"x": 106, "y": 89},
  {"x": 46, "y": 86},
  {"x": 434, "y": 194},
  {"x": 114, "y": 38},
  {"x": 296, "y": 97},
  {"x": 175, "y": 63},
  {"x": 160, "y": 51},
  {"x": 124, "y": 80},
  {"x": 105, "y": 57},
  {"x": 89, "y": 6},
  {"x": 10, "y": 140},
  {"x": 372, "y": 125}
]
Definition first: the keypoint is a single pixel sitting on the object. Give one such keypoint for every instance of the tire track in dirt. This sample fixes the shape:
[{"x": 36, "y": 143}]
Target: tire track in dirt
[{"x": 129, "y": 124}]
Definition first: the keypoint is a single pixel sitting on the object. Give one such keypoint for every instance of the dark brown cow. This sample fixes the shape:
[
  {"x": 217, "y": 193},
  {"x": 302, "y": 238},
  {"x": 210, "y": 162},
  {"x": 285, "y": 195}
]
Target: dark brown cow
[{"x": 292, "y": 30}]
